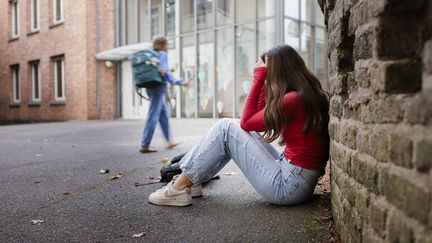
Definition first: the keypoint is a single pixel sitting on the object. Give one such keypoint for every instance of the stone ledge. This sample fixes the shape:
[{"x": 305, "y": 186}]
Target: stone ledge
[
  {"x": 13, "y": 39},
  {"x": 32, "y": 33},
  {"x": 57, "y": 103},
  {"x": 34, "y": 104},
  {"x": 56, "y": 25},
  {"x": 14, "y": 105}
]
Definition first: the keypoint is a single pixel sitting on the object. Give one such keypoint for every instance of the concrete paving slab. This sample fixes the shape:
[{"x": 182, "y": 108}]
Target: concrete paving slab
[{"x": 50, "y": 171}]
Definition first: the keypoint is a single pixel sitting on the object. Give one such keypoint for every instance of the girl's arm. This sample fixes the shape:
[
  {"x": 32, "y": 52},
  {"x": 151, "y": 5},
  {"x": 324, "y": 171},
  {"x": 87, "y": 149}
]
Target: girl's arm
[
  {"x": 163, "y": 65},
  {"x": 252, "y": 118}
]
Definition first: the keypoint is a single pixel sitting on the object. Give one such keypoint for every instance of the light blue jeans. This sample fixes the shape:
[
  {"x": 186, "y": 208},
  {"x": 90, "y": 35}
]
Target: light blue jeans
[
  {"x": 272, "y": 176},
  {"x": 158, "y": 112}
]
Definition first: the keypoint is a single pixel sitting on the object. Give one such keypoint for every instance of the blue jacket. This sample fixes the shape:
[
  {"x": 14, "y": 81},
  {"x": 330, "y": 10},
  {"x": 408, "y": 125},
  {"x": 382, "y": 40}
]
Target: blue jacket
[{"x": 163, "y": 64}]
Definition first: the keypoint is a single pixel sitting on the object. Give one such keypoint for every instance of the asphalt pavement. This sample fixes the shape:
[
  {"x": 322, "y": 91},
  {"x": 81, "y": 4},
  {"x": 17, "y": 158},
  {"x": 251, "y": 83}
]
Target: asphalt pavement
[{"x": 51, "y": 172}]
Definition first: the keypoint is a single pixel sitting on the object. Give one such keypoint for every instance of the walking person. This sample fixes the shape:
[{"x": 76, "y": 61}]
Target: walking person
[
  {"x": 285, "y": 101},
  {"x": 158, "y": 111}
]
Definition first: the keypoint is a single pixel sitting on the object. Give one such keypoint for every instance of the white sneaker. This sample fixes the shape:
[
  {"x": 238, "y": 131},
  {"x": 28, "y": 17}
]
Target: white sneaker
[
  {"x": 170, "y": 196},
  {"x": 196, "y": 189}
]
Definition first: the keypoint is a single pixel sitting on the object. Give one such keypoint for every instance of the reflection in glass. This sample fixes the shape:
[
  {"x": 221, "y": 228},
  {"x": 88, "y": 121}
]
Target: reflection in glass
[
  {"x": 321, "y": 56},
  {"x": 225, "y": 72},
  {"x": 204, "y": 14},
  {"x": 292, "y": 8},
  {"x": 144, "y": 21},
  {"x": 224, "y": 12},
  {"x": 131, "y": 22},
  {"x": 245, "y": 58},
  {"x": 245, "y": 10},
  {"x": 156, "y": 27},
  {"x": 205, "y": 75},
  {"x": 266, "y": 35},
  {"x": 306, "y": 45},
  {"x": 318, "y": 14},
  {"x": 188, "y": 67},
  {"x": 292, "y": 33},
  {"x": 187, "y": 15},
  {"x": 174, "y": 66},
  {"x": 170, "y": 17},
  {"x": 307, "y": 10},
  {"x": 265, "y": 8}
]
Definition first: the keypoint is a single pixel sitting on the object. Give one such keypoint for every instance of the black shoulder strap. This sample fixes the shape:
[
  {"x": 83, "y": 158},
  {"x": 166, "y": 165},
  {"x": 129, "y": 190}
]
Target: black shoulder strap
[{"x": 138, "y": 90}]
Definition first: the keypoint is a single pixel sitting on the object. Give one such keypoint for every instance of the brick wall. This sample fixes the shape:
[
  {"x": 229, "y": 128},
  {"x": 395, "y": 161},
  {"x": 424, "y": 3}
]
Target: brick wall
[
  {"x": 75, "y": 39},
  {"x": 380, "y": 54}
]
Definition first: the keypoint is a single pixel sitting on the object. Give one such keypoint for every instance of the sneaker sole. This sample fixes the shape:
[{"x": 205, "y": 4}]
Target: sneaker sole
[{"x": 169, "y": 203}]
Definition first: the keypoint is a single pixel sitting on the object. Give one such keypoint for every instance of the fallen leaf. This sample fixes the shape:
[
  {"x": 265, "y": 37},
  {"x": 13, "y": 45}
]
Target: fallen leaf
[
  {"x": 119, "y": 175},
  {"x": 36, "y": 221},
  {"x": 36, "y": 182},
  {"x": 165, "y": 160},
  {"x": 138, "y": 235},
  {"x": 104, "y": 171},
  {"x": 230, "y": 173},
  {"x": 66, "y": 193}
]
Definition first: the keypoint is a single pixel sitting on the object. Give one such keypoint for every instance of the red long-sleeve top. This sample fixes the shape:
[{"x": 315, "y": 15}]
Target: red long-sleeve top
[{"x": 310, "y": 150}]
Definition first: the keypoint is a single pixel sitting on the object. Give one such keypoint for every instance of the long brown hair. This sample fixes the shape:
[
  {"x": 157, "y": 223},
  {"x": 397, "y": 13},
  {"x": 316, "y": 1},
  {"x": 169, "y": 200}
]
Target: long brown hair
[{"x": 286, "y": 72}]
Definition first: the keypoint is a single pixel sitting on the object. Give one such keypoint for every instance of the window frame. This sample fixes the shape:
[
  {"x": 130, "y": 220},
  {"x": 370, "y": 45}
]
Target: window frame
[
  {"x": 16, "y": 84},
  {"x": 15, "y": 32},
  {"x": 32, "y": 68},
  {"x": 55, "y": 80},
  {"x": 54, "y": 13},
  {"x": 32, "y": 17}
]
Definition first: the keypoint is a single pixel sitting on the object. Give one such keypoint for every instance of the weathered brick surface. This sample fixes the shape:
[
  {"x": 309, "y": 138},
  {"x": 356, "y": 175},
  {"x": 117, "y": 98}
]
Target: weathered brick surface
[
  {"x": 381, "y": 112},
  {"x": 75, "y": 39}
]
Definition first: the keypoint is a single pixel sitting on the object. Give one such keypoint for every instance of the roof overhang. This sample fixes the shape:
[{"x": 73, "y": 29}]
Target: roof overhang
[{"x": 123, "y": 52}]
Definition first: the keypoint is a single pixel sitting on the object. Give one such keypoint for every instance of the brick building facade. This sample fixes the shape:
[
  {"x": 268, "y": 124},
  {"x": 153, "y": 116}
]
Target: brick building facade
[
  {"x": 48, "y": 69},
  {"x": 381, "y": 118}
]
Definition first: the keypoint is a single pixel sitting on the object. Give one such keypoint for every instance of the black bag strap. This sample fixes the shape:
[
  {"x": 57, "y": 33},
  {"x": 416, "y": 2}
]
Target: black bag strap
[{"x": 138, "y": 90}]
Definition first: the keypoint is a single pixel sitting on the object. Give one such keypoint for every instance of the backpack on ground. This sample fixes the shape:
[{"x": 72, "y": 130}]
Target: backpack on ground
[{"x": 145, "y": 66}]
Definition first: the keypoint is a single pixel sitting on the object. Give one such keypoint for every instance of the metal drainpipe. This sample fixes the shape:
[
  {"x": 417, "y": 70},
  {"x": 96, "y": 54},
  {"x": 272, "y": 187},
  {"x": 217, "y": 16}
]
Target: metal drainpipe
[
  {"x": 118, "y": 81},
  {"x": 97, "y": 63}
]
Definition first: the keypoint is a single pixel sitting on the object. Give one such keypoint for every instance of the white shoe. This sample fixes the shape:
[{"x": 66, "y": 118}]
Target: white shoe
[
  {"x": 196, "y": 189},
  {"x": 170, "y": 196}
]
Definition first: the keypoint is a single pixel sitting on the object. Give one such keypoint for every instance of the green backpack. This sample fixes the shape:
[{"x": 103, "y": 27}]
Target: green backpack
[{"x": 145, "y": 66}]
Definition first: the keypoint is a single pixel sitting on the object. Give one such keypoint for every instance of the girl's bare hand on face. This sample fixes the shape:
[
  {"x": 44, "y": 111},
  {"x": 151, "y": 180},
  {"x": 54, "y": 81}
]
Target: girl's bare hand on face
[{"x": 260, "y": 63}]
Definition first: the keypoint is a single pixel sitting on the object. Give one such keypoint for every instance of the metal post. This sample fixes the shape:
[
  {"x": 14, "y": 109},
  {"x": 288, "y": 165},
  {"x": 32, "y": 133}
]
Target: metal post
[
  {"x": 235, "y": 59},
  {"x": 196, "y": 56},
  {"x": 215, "y": 86}
]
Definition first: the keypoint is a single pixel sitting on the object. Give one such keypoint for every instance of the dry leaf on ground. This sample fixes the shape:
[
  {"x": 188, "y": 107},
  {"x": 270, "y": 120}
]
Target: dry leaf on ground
[
  {"x": 119, "y": 175},
  {"x": 36, "y": 221},
  {"x": 138, "y": 235}
]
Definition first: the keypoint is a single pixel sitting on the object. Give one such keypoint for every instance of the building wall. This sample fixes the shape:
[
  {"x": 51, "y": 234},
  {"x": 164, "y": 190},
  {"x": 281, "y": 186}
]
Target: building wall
[
  {"x": 70, "y": 39},
  {"x": 381, "y": 118}
]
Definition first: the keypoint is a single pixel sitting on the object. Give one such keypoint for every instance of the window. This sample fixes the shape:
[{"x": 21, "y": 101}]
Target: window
[
  {"x": 15, "y": 19},
  {"x": 35, "y": 77},
  {"x": 170, "y": 17},
  {"x": 131, "y": 22},
  {"x": 58, "y": 13},
  {"x": 156, "y": 18},
  {"x": 15, "y": 83},
  {"x": 34, "y": 15},
  {"x": 59, "y": 80}
]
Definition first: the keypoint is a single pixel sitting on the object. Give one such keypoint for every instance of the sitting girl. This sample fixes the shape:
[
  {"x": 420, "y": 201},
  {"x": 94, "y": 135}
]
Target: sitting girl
[{"x": 285, "y": 101}]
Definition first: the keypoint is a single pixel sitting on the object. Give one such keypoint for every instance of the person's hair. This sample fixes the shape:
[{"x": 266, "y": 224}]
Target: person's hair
[
  {"x": 287, "y": 72},
  {"x": 159, "y": 43}
]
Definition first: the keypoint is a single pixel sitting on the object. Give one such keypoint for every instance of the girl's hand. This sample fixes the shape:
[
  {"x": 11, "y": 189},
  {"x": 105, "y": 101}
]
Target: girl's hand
[{"x": 260, "y": 63}]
